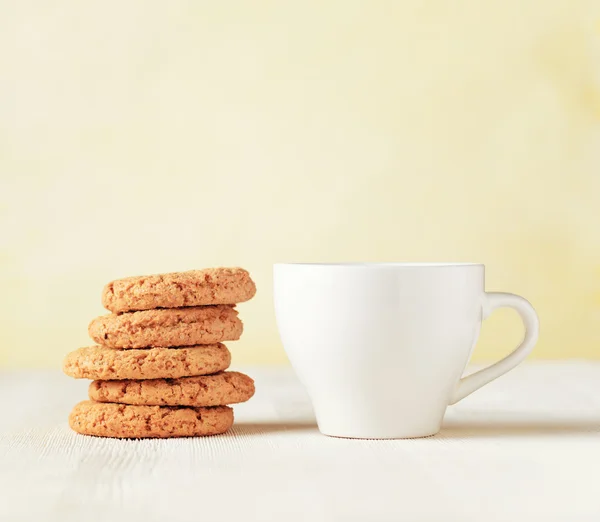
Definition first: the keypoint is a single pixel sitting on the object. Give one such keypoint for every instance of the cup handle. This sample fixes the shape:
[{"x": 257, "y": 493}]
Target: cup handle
[{"x": 491, "y": 301}]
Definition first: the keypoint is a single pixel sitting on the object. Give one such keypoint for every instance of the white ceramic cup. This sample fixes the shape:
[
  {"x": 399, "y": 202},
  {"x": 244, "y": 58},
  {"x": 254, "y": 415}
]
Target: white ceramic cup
[{"x": 381, "y": 348}]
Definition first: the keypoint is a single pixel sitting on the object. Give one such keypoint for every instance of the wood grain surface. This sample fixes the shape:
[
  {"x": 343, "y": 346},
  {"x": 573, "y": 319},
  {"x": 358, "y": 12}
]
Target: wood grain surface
[{"x": 526, "y": 447}]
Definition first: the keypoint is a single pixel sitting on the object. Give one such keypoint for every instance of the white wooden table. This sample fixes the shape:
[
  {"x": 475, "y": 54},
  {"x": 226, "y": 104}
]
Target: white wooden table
[{"x": 526, "y": 447}]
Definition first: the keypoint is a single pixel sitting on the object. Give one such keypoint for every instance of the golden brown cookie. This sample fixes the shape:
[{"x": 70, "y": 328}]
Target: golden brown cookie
[
  {"x": 99, "y": 362},
  {"x": 137, "y": 422},
  {"x": 167, "y": 327},
  {"x": 207, "y": 390},
  {"x": 211, "y": 286}
]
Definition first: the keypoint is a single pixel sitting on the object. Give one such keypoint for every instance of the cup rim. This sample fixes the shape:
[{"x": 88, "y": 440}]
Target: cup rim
[{"x": 434, "y": 264}]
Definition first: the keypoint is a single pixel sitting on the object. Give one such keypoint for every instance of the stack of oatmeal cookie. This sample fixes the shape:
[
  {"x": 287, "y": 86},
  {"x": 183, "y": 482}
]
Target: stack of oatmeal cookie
[{"x": 159, "y": 366}]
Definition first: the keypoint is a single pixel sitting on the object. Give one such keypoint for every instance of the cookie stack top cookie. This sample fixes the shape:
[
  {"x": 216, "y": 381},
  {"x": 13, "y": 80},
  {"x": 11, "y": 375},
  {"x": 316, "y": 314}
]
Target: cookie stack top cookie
[{"x": 211, "y": 286}]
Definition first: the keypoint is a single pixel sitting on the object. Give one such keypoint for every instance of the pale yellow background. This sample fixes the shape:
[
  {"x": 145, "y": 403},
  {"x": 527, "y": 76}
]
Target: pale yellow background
[{"x": 149, "y": 136}]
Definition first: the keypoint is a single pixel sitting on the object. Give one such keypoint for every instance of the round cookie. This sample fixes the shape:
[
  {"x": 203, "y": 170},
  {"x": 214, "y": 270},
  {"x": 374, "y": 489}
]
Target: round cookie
[
  {"x": 167, "y": 327},
  {"x": 207, "y": 390},
  {"x": 136, "y": 422},
  {"x": 211, "y": 286},
  {"x": 99, "y": 362}
]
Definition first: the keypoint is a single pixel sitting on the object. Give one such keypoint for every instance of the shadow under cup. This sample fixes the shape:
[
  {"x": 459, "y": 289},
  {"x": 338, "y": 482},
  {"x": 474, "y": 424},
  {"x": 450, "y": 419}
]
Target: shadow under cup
[{"x": 380, "y": 348}]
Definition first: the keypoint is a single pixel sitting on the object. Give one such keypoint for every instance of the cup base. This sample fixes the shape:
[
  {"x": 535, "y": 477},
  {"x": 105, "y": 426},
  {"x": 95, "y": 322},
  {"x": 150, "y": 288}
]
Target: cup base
[{"x": 368, "y": 436}]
